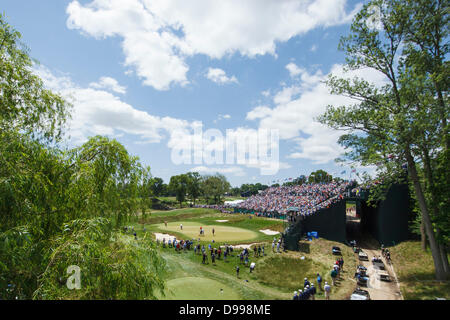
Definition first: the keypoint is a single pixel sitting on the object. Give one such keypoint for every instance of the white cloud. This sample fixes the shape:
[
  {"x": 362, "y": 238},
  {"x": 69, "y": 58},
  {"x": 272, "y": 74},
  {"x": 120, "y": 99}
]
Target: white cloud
[
  {"x": 259, "y": 112},
  {"x": 219, "y": 76},
  {"x": 108, "y": 83},
  {"x": 293, "y": 69},
  {"x": 221, "y": 117},
  {"x": 294, "y": 117},
  {"x": 266, "y": 93},
  {"x": 158, "y": 36},
  {"x": 99, "y": 112}
]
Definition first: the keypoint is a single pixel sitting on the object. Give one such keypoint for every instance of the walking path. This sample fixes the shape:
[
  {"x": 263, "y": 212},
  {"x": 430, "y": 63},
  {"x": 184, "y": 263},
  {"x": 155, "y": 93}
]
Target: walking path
[{"x": 380, "y": 290}]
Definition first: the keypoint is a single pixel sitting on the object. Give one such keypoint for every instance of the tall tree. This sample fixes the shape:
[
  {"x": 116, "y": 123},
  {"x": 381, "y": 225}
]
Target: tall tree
[
  {"x": 385, "y": 121},
  {"x": 215, "y": 187},
  {"x": 25, "y": 103},
  {"x": 194, "y": 185},
  {"x": 179, "y": 185}
]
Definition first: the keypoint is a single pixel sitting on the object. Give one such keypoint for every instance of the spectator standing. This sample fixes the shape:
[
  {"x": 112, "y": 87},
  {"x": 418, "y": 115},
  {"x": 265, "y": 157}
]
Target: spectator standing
[
  {"x": 313, "y": 291},
  {"x": 319, "y": 281},
  {"x": 327, "y": 289},
  {"x": 333, "y": 276},
  {"x": 306, "y": 283}
]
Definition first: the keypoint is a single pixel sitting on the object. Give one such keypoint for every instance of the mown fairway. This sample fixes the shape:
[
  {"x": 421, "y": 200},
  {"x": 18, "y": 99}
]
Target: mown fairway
[
  {"x": 198, "y": 288},
  {"x": 191, "y": 230}
]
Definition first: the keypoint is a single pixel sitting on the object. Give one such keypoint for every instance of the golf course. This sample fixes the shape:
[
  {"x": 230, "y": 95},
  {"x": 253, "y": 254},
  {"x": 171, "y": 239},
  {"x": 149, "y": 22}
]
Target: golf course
[{"x": 276, "y": 275}]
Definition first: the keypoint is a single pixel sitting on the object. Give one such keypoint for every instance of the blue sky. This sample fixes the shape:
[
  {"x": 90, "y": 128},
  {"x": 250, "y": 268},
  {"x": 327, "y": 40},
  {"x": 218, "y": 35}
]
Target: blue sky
[{"x": 148, "y": 72}]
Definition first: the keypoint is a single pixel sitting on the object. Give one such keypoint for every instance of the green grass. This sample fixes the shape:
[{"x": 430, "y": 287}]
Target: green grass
[
  {"x": 198, "y": 288},
  {"x": 415, "y": 271},
  {"x": 191, "y": 230},
  {"x": 276, "y": 275}
]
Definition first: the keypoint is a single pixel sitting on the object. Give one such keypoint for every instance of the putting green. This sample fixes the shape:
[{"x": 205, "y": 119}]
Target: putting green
[
  {"x": 196, "y": 288},
  {"x": 221, "y": 234}
]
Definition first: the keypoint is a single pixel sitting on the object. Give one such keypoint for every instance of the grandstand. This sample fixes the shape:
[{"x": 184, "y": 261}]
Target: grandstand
[{"x": 322, "y": 208}]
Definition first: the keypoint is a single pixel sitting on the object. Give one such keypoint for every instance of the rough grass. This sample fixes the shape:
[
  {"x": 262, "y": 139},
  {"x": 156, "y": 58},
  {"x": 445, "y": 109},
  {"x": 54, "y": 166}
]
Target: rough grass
[
  {"x": 415, "y": 271},
  {"x": 288, "y": 273}
]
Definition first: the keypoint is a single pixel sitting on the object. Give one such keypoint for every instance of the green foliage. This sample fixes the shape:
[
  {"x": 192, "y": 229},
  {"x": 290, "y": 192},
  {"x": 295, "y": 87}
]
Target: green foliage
[
  {"x": 25, "y": 104},
  {"x": 215, "y": 187},
  {"x": 113, "y": 265},
  {"x": 405, "y": 121},
  {"x": 320, "y": 176},
  {"x": 179, "y": 185}
]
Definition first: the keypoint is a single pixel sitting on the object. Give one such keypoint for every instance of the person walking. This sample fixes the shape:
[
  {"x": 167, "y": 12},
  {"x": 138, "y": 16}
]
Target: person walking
[
  {"x": 313, "y": 291},
  {"x": 327, "y": 289},
  {"x": 306, "y": 283},
  {"x": 333, "y": 276},
  {"x": 237, "y": 271},
  {"x": 319, "y": 281},
  {"x": 204, "y": 258}
]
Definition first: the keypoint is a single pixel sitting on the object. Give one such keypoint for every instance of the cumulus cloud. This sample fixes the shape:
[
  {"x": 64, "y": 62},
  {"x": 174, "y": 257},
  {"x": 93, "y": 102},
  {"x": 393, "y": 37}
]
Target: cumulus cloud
[
  {"x": 219, "y": 76},
  {"x": 108, "y": 83},
  {"x": 158, "y": 36},
  {"x": 293, "y": 69},
  {"x": 99, "y": 112},
  {"x": 294, "y": 116}
]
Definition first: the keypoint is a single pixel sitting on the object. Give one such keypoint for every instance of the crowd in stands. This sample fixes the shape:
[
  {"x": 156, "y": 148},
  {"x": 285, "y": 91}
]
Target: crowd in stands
[
  {"x": 306, "y": 198},
  {"x": 221, "y": 208}
]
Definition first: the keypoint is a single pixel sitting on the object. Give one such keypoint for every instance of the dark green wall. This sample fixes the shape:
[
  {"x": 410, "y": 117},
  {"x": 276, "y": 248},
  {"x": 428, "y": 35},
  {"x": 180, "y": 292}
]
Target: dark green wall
[{"x": 389, "y": 221}]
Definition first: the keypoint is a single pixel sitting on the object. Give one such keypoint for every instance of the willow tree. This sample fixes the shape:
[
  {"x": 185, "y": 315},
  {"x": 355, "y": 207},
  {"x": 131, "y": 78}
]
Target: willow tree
[
  {"x": 393, "y": 124},
  {"x": 26, "y": 104},
  {"x": 61, "y": 207}
]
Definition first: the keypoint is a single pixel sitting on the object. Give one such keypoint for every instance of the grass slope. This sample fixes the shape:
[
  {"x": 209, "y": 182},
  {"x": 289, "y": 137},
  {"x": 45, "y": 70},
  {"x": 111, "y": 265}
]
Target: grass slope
[{"x": 415, "y": 271}]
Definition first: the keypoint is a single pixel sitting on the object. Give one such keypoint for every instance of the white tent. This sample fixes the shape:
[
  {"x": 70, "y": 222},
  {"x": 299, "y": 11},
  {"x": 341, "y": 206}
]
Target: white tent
[{"x": 233, "y": 203}]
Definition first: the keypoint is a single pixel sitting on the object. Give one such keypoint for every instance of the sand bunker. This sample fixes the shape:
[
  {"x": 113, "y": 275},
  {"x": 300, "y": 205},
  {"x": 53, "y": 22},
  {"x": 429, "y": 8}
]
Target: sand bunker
[
  {"x": 242, "y": 246},
  {"x": 269, "y": 232},
  {"x": 222, "y": 220},
  {"x": 161, "y": 236}
]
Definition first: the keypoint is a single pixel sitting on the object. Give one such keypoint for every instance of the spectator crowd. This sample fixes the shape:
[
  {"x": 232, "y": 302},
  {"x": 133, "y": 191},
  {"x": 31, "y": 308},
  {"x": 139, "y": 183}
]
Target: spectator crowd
[{"x": 302, "y": 199}]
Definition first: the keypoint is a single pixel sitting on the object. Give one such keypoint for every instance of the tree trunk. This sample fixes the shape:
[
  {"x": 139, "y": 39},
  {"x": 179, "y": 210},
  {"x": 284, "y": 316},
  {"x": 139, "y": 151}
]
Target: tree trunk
[
  {"x": 423, "y": 236},
  {"x": 444, "y": 256},
  {"x": 435, "y": 251}
]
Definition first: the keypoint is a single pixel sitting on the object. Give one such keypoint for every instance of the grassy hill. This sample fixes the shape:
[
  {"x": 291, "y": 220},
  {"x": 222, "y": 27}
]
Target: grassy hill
[{"x": 415, "y": 271}]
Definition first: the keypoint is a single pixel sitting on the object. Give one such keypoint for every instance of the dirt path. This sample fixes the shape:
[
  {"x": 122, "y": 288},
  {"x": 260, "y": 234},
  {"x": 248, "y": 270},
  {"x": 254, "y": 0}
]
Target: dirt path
[{"x": 380, "y": 290}]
